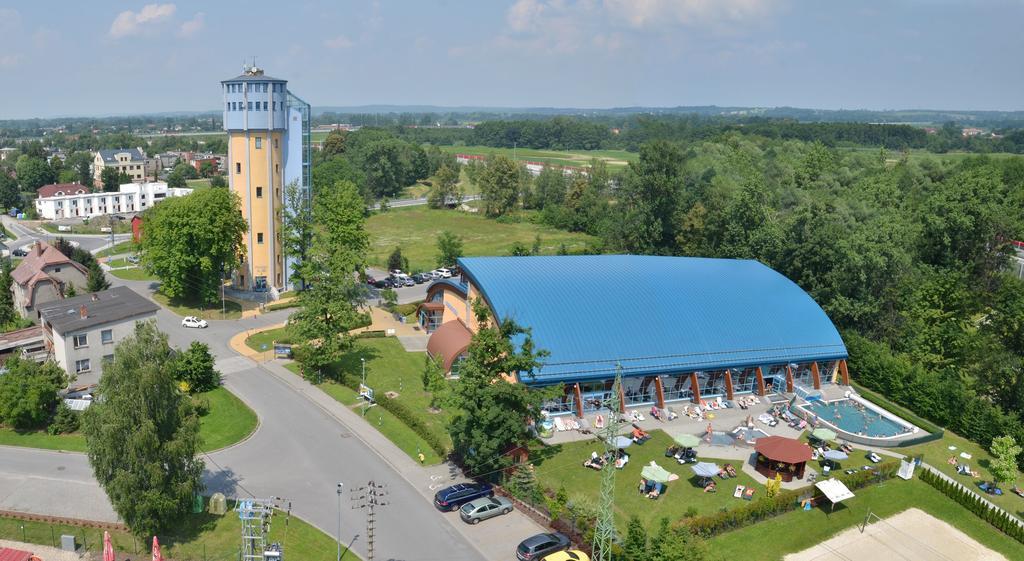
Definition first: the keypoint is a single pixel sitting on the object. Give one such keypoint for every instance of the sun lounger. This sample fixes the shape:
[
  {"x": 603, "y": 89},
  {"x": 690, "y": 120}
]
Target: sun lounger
[
  {"x": 875, "y": 458},
  {"x": 559, "y": 424},
  {"x": 739, "y": 491},
  {"x": 1018, "y": 491}
]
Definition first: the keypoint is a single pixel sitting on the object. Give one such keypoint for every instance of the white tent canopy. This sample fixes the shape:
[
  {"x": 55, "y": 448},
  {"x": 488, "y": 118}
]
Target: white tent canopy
[{"x": 834, "y": 490}]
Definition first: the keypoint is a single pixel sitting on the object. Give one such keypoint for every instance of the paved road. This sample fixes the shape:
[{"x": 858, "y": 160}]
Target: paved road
[
  {"x": 26, "y": 235},
  {"x": 300, "y": 452}
]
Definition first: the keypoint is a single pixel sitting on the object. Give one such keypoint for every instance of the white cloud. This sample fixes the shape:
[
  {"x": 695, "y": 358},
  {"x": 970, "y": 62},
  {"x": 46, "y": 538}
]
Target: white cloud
[
  {"x": 524, "y": 14},
  {"x": 193, "y": 26},
  {"x": 659, "y": 13},
  {"x": 10, "y": 19},
  {"x": 10, "y": 60},
  {"x": 339, "y": 42},
  {"x": 131, "y": 23}
]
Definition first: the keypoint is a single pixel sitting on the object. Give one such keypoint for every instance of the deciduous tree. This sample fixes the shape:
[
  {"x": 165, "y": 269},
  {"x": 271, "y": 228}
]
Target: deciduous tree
[
  {"x": 449, "y": 249},
  {"x": 1004, "y": 459},
  {"x": 33, "y": 173},
  {"x": 28, "y": 392},
  {"x": 194, "y": 367},
  {"x": 191, "y": 241},
  {"x": 500, "y": 185},
  {"x": 143, "y": 435}
]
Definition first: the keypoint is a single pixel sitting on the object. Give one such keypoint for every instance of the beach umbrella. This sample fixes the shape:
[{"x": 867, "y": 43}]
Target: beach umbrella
[
  {"x": 156, "y": 550},
  {"x": 705, "y": 469},
  {"x": 621, "y": 442},
  {"x": 108, "y": 548},
  {"x": 824, "y": 434},
  {"x": 686, "y": 440},
  {"x": 655, "y": 473},
  {"x": 835, "y": 455}
]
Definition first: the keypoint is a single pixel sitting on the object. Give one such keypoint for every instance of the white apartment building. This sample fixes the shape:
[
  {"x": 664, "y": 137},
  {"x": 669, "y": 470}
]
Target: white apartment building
[{"x": 131, "y": 198}]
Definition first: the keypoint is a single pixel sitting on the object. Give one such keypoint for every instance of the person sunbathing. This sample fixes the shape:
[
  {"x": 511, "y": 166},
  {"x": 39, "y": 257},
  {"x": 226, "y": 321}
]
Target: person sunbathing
[
  {"x": 951, "y": 461},
  {"x": 655, "y": 413},
  {"x": 639, "y": 436},
  {"x": 731, "y": 471},
  {"x": 710, "y": 487}
]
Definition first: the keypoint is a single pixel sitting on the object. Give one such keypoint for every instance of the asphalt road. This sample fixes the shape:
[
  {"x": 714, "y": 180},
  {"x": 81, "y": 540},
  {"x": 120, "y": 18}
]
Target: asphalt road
[
  {"x": 26, "y": 235},
  {"x": 298, "y": 453}
]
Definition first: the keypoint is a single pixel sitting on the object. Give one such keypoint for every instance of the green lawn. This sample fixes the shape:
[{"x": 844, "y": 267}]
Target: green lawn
[
  {"x": 201, "y": 537},
  {"x": 799, "y": 530},
  {"x": 257, "y": 341},
  {"x": 579, "y": 158},
  {"x": 389, "y": 368},
  {"x": 562, "y": 465},
  {"x": 126, "y": 246},
  {"x": 119, "y": 263},
  {"x": 41, "y": 439},
  {"x": 415, "y": 230},
  {"x": 227, "y": 422},
  {"x": 184, "y": 307},
  {"x": 937, "y": 453},
  {"x": 133, "y": 273}
]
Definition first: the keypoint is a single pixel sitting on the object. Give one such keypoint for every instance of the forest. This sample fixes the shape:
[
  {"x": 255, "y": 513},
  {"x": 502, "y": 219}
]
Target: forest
[{"x": 908, "y": 256}]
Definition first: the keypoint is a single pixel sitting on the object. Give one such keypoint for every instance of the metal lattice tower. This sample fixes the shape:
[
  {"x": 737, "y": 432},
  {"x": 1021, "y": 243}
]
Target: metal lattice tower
[
  {"x": 369, "y": 497},
  {"x": 604, "y": 532},
  {"x": 255, "y": 515}
]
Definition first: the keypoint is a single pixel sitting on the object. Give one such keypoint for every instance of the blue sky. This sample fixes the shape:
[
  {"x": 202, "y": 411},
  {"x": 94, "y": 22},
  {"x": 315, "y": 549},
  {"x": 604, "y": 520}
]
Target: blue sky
[{"x": 101, "y": 57}]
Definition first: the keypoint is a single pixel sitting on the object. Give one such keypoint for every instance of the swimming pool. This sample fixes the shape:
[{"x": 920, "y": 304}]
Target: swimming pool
[{"x": 853, "y": 417}]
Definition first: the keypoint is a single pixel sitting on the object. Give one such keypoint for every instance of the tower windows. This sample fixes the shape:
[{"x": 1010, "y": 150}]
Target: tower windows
[
  {"x": 238, "y": 167},
  {"x": 264, "y": 103},
  {"x": 259, "y": 142},
  {"x": 275, "y": 144},
  {"x": 259, "y": 237},
  {"x": 248, "y": 106},
  {"x": 259, "y": 192}
]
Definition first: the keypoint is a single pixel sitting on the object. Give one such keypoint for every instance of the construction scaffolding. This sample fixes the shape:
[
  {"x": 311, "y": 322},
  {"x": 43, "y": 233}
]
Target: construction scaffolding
[{"x": 255, "y": 515}]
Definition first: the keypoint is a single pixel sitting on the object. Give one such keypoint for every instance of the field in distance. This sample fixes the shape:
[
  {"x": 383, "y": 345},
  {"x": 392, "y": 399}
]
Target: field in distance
[
  {"x": 415, "y": 230},
  {"x": 579, "y": 158}
]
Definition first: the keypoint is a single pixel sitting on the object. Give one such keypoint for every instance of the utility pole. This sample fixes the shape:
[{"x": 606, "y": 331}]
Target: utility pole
[
  {"x": 363, "y": 384},
  {"x": 340, "y": 485},
  {"x": 604, "y": 533},
  {"x": 369, "y": 497}
]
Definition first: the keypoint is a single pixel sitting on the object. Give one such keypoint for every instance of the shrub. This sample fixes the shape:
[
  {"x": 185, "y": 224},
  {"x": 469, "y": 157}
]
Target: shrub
[
  {"x": 411, "y": 420},
  {"x": 997, "y": 517},
  {"x": 64, "y": 420}
]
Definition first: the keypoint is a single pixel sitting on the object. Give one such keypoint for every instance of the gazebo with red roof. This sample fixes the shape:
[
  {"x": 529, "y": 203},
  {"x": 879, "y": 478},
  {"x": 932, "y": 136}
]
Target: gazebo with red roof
[{"x": 787, "y": 457}]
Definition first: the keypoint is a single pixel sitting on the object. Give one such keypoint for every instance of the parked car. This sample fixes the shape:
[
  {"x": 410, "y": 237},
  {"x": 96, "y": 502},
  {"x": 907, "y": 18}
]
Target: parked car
[
  {"x": 133, "y": 259},
  {"x": 451, "y": 498},
  {"x": 384, "y": 283},
  {"x": 536, "y": 547},
  {"x": 401, "y": 280},
  {"x": 569, "y": 555},
  {"x": 445, "y": 273},
  {"x": 482, "y": 509},
  {"x": 19, "y": 252},
  {"x": 421, "y": 278},
  {"x": 396, "y": 271},
  {"x": 371, "y": 281},
  {"x": 192, "y": 321}
]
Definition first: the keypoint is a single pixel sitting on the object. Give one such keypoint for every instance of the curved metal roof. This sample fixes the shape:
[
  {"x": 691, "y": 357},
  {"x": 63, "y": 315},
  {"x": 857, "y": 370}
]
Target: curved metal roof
[{"x": 653, "y": 314}]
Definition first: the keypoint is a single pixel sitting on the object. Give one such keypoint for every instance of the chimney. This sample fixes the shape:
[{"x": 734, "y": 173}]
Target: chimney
[
  {"x": 37, "y": 248},
  {"x": 83, "y": 312}
]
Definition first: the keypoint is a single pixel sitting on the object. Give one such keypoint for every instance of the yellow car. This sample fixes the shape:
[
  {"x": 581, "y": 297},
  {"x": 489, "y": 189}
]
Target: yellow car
[{"x": 571, "y": 555}]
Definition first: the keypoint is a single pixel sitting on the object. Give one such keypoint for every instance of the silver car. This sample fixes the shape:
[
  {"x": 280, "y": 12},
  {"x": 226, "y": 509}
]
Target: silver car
[{"x": 482, "y": 509}]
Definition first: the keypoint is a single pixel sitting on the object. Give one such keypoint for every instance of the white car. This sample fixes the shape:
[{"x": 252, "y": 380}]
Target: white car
[
  {"x": 445, "y": 273},
  {"x": 192, "y": 321}
]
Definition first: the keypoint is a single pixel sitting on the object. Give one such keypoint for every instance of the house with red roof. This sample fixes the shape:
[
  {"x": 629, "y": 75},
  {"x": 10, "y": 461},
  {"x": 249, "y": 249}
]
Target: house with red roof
[
  {"x": 43, "y": 276},
  {"x": 61, "y": 189}
]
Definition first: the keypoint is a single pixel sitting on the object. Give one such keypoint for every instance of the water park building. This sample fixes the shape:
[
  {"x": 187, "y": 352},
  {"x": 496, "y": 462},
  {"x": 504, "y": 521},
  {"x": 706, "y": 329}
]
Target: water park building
[{"x": 680, "y": 328}]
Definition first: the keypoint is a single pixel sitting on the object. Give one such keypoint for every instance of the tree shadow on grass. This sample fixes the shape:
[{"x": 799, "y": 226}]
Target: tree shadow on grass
[
  {"x": 540, "y": 454},
  {"x": 348, "y": 370}
]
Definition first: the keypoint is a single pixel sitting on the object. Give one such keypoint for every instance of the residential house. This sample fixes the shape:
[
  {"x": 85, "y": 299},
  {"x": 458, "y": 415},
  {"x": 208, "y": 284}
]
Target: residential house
[
  {"x": 131, "y": 161},
  {"x": 27, "y": 343},
  {"x": 43, "y": 276},
  {"x": 82, "y": 332}
]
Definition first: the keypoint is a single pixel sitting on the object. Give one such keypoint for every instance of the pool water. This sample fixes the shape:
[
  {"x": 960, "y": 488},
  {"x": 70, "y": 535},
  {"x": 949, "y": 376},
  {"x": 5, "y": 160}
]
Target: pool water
[{"x": 851, "y": 417}]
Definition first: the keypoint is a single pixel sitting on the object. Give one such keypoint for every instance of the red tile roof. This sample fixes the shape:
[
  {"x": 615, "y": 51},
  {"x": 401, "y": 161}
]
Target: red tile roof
[
  {"x": 41, "y": 255},
  {"x": 8, "y": 554},
  {"x": 52, "y": 189}
]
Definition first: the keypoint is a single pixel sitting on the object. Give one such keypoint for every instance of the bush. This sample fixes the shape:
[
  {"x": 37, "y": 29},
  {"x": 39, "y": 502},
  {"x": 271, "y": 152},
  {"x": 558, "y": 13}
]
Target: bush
[
  {"x": 28, "y": 392},
  {"x": 194, "y": 367},
  {"x": 293, "y": 303},
  {"x": 404, "y": 414},
  {"x": 64, "y": 420},
  {"x": 997, "y": 517},
  {"x": 375, "y": 334}
]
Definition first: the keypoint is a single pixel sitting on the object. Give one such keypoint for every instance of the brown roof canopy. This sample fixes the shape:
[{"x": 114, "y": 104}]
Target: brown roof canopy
[
  {"x": 782, "y": 449},
  {"x": 449, "y": 341}
]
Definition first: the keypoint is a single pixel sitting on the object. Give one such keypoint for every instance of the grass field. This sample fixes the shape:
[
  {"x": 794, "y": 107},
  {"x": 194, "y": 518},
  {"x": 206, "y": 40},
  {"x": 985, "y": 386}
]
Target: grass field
[
  {"x": 120, "y": 227},
  {"x": 203, "y": 537},
  {"x": 184, "y": 307},
  {"x": 258, "y": 340},
  {"x": 613, "y": 158},
  {"x": 127, "y": 246},
  {"x": 133, "y": 273},
  {"x": 389, "y": 368},
  {"x": 415, "y": 230},
  {"x": 227, "y": 422},
  {"x": 799, "y": 529}
]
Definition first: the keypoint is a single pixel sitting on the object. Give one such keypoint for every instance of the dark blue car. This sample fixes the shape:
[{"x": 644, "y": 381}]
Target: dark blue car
[{"x": 451, "y": 498}]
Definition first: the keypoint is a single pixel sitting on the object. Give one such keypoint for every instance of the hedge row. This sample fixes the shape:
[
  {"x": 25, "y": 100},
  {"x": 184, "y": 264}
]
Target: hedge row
[
  {"x": 899, "y": 410},
  {"x": 972, "y": 502},
  {"x": 407, "y": 416},
  {"x": 711, "y": 525}
]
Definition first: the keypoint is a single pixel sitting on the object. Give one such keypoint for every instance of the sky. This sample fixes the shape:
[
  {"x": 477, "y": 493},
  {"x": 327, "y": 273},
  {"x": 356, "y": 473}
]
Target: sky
[{"x": 114, "y": 58}]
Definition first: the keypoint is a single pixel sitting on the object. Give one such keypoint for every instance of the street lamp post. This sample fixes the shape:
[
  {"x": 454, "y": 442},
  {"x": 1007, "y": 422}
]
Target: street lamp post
[
  {"x": 363, "y": 384},
  {"x": 340, "y": 485}
]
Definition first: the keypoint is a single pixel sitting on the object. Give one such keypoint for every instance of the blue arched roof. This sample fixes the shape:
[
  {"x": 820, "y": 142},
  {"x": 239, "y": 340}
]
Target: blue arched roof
[{"x": 653, "y": 314}]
